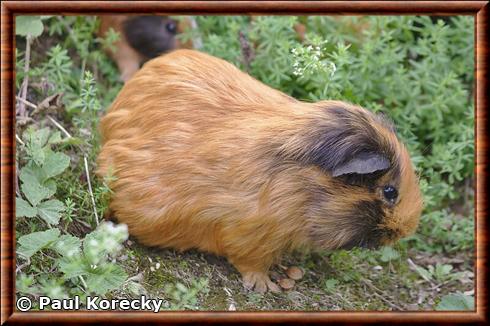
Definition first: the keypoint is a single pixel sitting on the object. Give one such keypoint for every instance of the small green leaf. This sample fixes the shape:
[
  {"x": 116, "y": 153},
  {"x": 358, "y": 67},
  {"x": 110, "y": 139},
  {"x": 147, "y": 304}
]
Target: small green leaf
[
  {"x": 73, "y": 267},
  {"x": 42, "y": 136},
  {"x": 73, "y": 141},
  {"x": 51, "y": 186},
  {"x": 35, "y": 141},
  {"x": 23, "y": 283},
  {"x": 50, "y": 211},
  {"x": 38, "y": 138},
  {"x": 181, "y": 287},
  {"x": 55, "y": 138},
  {"x": 23, "y": 208},
  {"x": 444, "y": 269},
  {"x": 389, "y": 254},
  {"x": 67, "y": 246},
  {"x": 103, "y": 279},
  {"x": 136, "y": 289},
  {"x": 105, "y": 240},
  {"x": 28, "y": 25},
  {"x": 35, "y": 153},
  {"x": 53, "y": 288},
  {"x": 55, "y": 163},
  {"x": 31, "y": 174},
  {"x": 33, "y": 190},
  {"x": 426, "y": 274},
  {"x": 330, "y": 284},
  {"x": 456, "y": 301},
  {"x": 31, "y": 243}
]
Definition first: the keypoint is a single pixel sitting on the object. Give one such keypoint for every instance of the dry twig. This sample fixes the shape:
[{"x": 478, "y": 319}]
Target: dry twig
[
  {"x": 25, "y": 83},
  {"x": 59, "y": 126},
  {"x": 416, "y": 269},
  {"x": 375, "y": 292},
  {"x": 19, "y": 268},
  {"x": 24, "y": 101},
  {"x": 18, "y": 139},
  {"x": 90, "y": 190}
]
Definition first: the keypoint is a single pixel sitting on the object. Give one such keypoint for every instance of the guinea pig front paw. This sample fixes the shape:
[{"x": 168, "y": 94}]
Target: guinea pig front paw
[{"x": 259, "y": 282}]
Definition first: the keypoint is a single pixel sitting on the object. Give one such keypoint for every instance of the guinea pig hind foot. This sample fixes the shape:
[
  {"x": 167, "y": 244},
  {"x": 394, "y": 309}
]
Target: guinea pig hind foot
[{"x": 259, "y": 282}]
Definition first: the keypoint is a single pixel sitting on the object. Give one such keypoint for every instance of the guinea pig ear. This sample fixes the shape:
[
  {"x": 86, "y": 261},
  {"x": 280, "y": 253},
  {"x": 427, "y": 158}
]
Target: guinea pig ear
[{"x": 362, "y": 164}]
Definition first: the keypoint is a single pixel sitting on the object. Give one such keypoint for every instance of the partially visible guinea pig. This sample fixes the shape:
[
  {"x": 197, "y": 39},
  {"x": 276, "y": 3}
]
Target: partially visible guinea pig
[
  {"x": 140, "y": 38},
  {"x": 205, "y": 156}
]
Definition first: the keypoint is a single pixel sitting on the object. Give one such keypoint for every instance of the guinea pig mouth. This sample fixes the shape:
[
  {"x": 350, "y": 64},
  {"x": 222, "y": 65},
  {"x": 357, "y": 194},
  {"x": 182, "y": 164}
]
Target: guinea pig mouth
[
  {"x": 361, "y": 243},
  {"x": 373, "y": 239}
]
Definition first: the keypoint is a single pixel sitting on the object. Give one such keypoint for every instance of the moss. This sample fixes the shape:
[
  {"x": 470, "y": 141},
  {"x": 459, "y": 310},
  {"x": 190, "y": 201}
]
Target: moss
[{"x": 215, "y": 300}]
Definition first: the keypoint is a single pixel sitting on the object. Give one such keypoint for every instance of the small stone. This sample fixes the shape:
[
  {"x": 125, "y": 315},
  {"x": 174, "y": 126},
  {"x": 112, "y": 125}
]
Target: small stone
[
  {"x": 378, "y": 268},
  {"x": 287, "y": 283},
  {"x": 295, "y": 273},
  {"x": 231, "y": 307}
]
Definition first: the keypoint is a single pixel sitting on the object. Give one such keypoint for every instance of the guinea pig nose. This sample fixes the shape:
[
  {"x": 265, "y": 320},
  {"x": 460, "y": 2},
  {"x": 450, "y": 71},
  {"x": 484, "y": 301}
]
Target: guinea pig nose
[
  {"x": 171, "y": 27},
  {"x": 390, "y": 193}
]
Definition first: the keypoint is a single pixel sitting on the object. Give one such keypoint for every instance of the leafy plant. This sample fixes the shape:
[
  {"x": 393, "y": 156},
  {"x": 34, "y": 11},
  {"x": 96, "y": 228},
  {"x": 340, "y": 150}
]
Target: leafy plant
[
  {"x": 331, "y": 284},
  {"x": 443, "y": 231},
  {"x": 186, "y": 297},
  {"x": 52, "y": 257},
  {"x": 85, "y": 264},
  {"x": 439, "y": 272},
  {"x": 37, "y": 175},
  {"x": 388, "y": 254},
  {"x": 456, "y": 302},
  {"x": 28, "y": 26},
  {"x": 311, "y": 60},
  {"x": 93, "y": 264}
]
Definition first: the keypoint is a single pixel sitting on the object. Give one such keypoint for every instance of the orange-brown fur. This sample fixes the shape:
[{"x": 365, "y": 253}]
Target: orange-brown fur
[{"x": 193, "y": 145}]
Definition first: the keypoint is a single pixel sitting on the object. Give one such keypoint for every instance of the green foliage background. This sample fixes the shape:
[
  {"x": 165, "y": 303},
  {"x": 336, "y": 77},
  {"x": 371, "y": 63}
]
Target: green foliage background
[{"x": 417, "y": 71}]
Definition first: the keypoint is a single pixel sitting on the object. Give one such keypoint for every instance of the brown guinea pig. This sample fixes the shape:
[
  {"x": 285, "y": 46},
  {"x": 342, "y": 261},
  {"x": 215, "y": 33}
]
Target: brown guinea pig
[
  {"x": 140, "y": 38},
  {"x": 205, "y": 156}
]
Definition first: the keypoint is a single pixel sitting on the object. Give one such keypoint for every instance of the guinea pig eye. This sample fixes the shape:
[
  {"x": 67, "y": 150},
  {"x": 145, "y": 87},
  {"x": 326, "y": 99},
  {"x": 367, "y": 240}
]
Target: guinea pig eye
[
  {"x": 390, "y": 193},
  {"x": 171, "y": 27}
]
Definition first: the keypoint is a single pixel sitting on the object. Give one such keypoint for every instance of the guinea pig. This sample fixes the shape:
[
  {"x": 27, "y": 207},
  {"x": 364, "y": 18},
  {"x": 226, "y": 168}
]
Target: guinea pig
[
  {"x": 204, "y": 156},
  {"x": 140, "y": 39}
]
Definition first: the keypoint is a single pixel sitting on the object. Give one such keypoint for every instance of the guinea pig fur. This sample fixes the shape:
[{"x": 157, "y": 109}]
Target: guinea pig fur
[{"x": 204, "y": 156}]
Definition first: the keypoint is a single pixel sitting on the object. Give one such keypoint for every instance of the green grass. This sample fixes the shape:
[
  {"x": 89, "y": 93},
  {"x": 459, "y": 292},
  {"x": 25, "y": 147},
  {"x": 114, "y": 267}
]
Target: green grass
[{"x": 417, "y": 71}]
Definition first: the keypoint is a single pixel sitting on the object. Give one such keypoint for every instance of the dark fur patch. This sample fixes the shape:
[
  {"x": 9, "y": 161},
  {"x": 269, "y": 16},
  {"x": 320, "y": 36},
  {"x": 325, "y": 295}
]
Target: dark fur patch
[
  {"x": 340, "y": 142},
  {"x": 149, "y": 35},
  {"x": 366, "y": 216}
]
